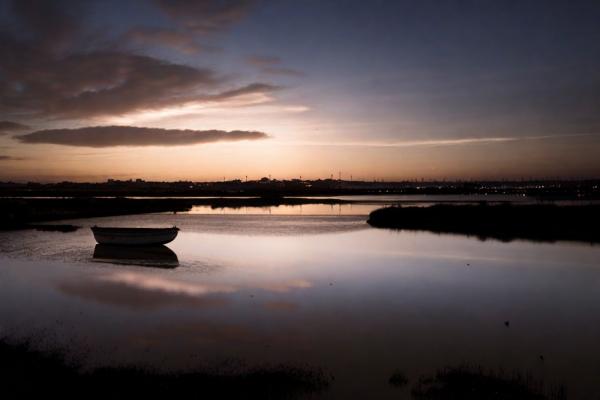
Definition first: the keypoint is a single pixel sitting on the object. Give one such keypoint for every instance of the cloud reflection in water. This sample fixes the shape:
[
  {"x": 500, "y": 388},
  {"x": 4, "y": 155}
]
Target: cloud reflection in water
[{"x": 142, "y": 290}]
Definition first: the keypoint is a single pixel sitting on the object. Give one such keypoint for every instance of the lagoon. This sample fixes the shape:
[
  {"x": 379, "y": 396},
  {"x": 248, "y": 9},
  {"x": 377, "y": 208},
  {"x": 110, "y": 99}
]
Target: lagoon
[{"x": 313, "y": 289}]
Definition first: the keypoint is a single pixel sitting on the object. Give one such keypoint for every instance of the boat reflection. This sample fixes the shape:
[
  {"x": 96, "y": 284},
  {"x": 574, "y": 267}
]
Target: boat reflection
[{"x": 148, "y": 256}]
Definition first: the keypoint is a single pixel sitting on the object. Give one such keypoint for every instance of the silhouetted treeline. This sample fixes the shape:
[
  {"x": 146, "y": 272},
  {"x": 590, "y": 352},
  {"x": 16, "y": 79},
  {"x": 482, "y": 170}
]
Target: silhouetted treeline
[
  {"x": 504, "y": 222},
  {"x": 296, "y": 187}
]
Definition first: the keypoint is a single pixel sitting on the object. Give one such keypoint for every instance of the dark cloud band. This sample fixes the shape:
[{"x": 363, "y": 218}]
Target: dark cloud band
[
  {"x": 271, "y": 65},
  {"x": 113, "y": 136},
  {"x": 10, "y": 127},
  {"x": 51, "y": 68},
  {"x": 10, "y": 158},
  {"x": 206, "y": 16}
]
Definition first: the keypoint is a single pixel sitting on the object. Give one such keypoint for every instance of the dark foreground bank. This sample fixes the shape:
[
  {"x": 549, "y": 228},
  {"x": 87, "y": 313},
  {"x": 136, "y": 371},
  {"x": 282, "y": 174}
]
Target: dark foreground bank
[
  {"x": 502, "y": 222},
  {"x": 29, "y": 373}
]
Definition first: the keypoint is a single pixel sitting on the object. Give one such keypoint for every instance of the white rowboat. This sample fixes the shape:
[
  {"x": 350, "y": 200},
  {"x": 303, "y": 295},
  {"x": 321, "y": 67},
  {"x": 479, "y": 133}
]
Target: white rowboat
[{"x": 134, "y": 236}]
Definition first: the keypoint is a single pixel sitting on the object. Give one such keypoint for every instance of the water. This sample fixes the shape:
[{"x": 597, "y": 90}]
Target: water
[
  {"x": 321, "y": 290},
  {"x": 305, "y": 209}
]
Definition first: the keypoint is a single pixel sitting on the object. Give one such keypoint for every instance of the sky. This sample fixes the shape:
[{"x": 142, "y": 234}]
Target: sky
[{"x": 227, "y": 89}]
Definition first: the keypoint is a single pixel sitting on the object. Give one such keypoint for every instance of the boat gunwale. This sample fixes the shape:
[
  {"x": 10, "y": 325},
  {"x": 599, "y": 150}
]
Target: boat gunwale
[{"x": 144, "y": 231}]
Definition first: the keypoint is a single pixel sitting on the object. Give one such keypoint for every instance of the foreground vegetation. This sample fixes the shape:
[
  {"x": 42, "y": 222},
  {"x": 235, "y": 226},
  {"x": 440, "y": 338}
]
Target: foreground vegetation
[
  {"x": 29, "y": 373},
  {"x": 466, "y": 382},
  {"x": 503, "y": 222}
]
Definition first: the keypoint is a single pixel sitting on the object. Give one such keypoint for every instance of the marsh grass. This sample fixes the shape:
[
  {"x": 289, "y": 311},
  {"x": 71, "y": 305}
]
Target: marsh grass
[
  {"x": 398, "y": 379},
  {"x": 467, "y": 382},
  {"x": 505, "y": 222},
  {"x": 27, "y": 372}
]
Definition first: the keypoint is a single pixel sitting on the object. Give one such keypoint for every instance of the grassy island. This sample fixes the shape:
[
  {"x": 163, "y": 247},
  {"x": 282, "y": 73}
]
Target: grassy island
[{"x": 504, "y": 222}]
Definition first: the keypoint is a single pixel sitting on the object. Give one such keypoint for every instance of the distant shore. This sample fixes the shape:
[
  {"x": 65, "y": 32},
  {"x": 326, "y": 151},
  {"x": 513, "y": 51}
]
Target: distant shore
[
  {"x": 22, "y": 213},
  {"x": 540, "y": 189},
  {"x": 546, "y": 223},
  {"x": 540, "y": 222}
]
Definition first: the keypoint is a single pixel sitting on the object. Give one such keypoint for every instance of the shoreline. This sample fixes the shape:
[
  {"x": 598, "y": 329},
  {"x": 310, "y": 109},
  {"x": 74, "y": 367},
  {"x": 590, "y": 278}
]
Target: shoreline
[
  {"x": 500, "y": 220},
  {"x": 21, "y": 213}
]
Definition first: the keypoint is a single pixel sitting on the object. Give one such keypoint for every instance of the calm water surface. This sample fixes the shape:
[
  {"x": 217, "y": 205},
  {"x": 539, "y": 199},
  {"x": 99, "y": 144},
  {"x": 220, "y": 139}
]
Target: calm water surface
[
  {"x": 322, "y": 290},
  {"x": 367, "y": 203}
]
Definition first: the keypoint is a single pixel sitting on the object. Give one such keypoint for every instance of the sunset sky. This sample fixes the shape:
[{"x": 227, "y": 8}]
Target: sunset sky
[{"x": 213, "y": 89}]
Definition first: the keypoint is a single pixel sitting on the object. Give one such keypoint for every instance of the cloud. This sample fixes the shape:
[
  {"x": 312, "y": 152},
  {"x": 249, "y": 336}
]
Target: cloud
[
  {"x": 10, "y": 158},
  {"x": 206, "y": 16},
  {"x": 67, "y": 72},
  {"x": 178, "y": 40},
  {"x": 262, "y": 61},
  {"x": 107, "y": 83},
  {"x": 112, "y": 136},
  {"x": 271, "y": 65},
  {"x": 7, "y": 127},
  {"x": 193, "y": 20},
  {"x": 283, "y": 71},
  {"x": 52, "y": 24},
  {"x": 252, "y": 88},
  {"x": 440, "y": 142},
  {"x": 94, "y": 84}
]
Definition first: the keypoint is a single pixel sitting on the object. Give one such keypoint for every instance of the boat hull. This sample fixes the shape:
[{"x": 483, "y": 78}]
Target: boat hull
[{"x": 134, "y": 236}]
